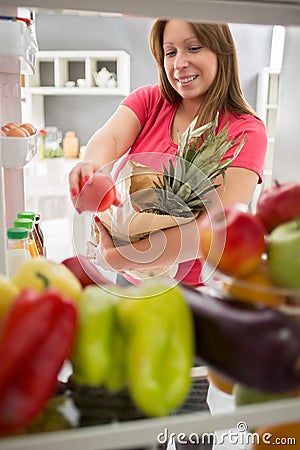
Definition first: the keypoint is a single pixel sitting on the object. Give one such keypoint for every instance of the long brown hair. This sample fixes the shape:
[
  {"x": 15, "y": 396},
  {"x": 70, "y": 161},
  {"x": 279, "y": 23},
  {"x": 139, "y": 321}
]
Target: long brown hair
[{"x": 225, "y": 93}]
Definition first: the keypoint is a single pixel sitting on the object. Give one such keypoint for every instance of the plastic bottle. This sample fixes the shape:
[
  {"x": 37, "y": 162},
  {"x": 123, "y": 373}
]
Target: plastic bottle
[
  {"x": 17, "y": 248},
  {"x": 31, "y": 215},
  {"x": 32, "y": 245},
  {"x": 70, "y": 145}
]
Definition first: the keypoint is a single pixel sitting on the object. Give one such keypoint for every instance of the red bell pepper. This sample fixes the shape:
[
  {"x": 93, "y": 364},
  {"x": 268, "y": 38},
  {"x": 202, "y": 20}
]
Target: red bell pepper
[{"x": 35, "y": 339}]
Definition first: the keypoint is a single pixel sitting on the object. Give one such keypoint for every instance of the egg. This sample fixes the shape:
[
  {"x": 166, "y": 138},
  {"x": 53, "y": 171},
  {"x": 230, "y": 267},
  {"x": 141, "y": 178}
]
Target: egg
[
  {"x": 10, "y": 125},
  {"x": 18, "y": 132},
  {"x": 4, "y": 130},
  {"x": 30, "y": 128}
]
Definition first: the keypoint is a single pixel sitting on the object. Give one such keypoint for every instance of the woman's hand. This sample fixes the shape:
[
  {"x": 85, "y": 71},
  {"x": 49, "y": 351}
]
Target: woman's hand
[
  {"x": 105, "y": 248},
  {"x": 79, "y": 175}
]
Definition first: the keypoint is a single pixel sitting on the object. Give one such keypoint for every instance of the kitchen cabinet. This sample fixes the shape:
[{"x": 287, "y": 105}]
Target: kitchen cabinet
[{"x": 56, "y": 69}]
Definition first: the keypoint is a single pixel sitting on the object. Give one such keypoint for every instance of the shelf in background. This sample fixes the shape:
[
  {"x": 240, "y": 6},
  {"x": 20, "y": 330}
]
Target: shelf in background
[{"x": 43, "y": 90}]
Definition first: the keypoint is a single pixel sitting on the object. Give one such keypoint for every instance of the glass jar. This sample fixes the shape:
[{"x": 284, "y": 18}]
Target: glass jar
[{"x": 70, "y": 145}]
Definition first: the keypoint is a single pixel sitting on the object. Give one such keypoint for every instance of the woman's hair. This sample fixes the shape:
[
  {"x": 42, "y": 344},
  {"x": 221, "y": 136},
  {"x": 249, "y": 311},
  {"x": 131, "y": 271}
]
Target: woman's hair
[{"x": 225, "y": 93}]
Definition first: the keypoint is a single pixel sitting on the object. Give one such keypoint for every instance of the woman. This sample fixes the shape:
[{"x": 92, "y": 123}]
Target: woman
[{"x": 198, "y": 76}]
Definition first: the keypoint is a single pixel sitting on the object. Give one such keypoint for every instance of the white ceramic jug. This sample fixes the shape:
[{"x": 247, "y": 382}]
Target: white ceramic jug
[{"x": 103, "y": 77}]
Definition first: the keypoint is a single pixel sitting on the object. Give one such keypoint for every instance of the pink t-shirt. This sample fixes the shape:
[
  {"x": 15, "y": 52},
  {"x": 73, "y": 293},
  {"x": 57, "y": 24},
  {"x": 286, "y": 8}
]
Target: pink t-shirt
[
  {"x": 154, "y": 144},
  {"x": 156, "y": 115}
]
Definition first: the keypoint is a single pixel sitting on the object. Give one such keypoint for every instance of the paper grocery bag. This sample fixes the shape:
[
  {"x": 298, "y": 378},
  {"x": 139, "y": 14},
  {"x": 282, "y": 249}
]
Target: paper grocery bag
[{"x": 127, "y": 223}]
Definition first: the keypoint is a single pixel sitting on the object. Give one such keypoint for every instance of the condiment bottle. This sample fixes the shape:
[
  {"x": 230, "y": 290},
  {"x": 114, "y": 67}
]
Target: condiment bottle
[
  {"x": 31, "y": 215},
  {"x": 37, "y": 224},
  {"x": 32, "y": 245},
  {"x": 70, "y": 145},
  {"x": 17, "y": 249}
]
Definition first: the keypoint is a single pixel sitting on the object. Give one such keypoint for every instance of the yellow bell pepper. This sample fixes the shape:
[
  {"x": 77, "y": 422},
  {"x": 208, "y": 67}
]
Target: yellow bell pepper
[
  {"x": 8, "y": 292},
  {"x": 41, "y": 273}
]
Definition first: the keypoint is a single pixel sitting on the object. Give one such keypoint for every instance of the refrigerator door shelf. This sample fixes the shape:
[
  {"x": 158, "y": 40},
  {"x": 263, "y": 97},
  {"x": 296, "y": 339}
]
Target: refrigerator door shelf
[
  {"x": 18, "y": 40},
  {"x": 16, "y": 152}
]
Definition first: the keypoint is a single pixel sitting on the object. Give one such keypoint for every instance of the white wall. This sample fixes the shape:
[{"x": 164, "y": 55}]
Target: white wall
[
  {"x": 85, "y": 114},
  {"x": 287, "y": 143}
]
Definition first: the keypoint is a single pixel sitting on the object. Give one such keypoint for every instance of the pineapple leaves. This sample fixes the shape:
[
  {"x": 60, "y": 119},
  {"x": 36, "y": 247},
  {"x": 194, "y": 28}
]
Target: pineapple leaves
[{"x": 190, "y": 175}]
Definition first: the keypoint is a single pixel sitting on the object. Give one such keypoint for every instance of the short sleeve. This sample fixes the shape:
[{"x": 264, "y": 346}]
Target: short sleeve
[
  {"x": 142, "y": 101},
  {"x": 253, "y": 153}
]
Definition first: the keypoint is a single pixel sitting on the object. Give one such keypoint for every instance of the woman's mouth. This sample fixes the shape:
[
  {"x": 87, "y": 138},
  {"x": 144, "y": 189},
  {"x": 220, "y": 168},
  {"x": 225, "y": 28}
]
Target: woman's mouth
[{"x": 187, "y": 80}]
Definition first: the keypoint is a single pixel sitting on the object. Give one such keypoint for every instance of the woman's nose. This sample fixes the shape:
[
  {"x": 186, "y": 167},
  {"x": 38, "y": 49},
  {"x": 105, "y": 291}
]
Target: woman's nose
[{"x": 180, "y": 60}]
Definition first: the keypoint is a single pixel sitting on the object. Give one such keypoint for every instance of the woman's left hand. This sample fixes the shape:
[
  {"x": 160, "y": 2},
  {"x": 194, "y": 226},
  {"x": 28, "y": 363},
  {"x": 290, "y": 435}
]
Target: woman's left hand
[{"x": 105, "y": 248}]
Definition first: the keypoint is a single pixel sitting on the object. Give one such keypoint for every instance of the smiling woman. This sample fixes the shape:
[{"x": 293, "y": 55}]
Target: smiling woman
[{"x": 198, "y": 78}]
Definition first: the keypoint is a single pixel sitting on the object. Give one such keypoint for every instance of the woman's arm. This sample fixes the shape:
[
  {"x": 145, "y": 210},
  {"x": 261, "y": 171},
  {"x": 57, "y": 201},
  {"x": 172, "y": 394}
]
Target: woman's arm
[
  {"x": 108, "y": 144},
  {"x": 176, "y": 244}
]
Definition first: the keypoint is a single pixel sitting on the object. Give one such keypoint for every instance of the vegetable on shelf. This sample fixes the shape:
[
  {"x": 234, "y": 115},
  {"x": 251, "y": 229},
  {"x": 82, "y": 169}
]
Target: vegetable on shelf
[
  {"x": 98, "y": 355},
  {"x": 140, "y": 341},
  {"x": 255, "y": 346},
  {"x": 159, "y": 346},
  {"x": 35, "y": 339},
  {"x": 8, "y": 292},
  {"x": 41, "y": 273}
]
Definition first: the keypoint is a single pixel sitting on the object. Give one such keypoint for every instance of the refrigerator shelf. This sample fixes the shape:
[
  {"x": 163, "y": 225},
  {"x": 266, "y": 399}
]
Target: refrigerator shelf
[
  {"x": 16, "y": 152},
  {"x": 145, "y": 432}
]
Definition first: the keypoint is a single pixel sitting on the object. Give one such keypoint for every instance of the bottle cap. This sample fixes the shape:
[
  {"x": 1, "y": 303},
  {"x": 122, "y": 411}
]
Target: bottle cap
[
  {"x": 26, "y": 215},
  {"x": 17, "y": 233},
  {"x": 26, "y": 223}
]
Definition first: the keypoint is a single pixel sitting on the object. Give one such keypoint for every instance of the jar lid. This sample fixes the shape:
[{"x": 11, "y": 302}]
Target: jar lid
[
  {"x": 17, "y": 233},
  {"x": 26, "y": 215},
  {"x": 26, "y": 223}
]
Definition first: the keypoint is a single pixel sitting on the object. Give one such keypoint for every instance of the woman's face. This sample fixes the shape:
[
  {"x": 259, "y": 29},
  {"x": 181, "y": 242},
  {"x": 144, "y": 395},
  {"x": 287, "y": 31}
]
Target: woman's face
[{"x": 190, "y": 67}]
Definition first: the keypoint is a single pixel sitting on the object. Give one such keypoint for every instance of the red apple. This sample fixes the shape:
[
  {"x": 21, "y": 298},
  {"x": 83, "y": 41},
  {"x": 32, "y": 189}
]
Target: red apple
[
  {"x": 85, "y": 271},
  {"x": 233, "y": 241},
  {"x": 278, "y": 204}
]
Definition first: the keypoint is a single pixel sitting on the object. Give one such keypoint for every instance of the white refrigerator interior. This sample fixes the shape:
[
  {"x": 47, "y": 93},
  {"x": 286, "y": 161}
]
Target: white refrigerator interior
[
  {"x": 17, "y": 55},
  {"x": 136, "y": 433}
]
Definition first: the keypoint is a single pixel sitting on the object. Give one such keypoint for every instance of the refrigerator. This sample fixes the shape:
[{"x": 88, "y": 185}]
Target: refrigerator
[{"x": 20, "y": 57}]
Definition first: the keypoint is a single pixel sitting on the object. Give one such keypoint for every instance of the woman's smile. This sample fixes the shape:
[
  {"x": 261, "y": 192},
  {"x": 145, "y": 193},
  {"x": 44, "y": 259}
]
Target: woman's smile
[{"x": 186, "y": 80}]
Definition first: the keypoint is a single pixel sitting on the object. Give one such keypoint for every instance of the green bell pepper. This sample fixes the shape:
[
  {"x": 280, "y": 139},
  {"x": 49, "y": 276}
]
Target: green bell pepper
[
  {"x": 159, "y": 332},
  {"x": 98, "y": 356}
]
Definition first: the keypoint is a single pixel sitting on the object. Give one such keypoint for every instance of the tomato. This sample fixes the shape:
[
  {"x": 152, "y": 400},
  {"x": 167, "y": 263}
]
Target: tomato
[{"x": 97, "y": 194}]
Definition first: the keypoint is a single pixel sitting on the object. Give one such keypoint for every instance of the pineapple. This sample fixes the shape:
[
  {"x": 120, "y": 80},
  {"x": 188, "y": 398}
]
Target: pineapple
[{"x": 182, "y": 189}]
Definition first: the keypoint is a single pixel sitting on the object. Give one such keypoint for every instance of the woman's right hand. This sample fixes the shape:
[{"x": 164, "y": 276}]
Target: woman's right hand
[{"x": 79, "y": 175}]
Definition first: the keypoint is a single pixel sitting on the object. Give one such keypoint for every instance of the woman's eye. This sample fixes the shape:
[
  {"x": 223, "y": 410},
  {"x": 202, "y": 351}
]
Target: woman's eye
[
  {"x": 170, "y": 53},
  {"x": 195, "y": 48}
]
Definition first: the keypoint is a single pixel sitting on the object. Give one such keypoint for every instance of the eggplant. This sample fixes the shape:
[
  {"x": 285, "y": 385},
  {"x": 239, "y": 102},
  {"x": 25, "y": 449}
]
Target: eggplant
[{"x": 256, "y": 346}]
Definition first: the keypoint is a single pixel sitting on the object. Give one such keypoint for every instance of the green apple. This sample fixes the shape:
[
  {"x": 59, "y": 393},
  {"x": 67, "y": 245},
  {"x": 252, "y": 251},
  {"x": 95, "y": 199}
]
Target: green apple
[
  {"x": 284, "y": 254},
  {"x": 244, "y": 395}
]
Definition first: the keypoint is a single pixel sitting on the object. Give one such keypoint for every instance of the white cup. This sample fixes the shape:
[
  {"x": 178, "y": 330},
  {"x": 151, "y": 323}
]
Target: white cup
[
  {"x": 69, "y": 83},
  {"x": 81, "y": 82}
]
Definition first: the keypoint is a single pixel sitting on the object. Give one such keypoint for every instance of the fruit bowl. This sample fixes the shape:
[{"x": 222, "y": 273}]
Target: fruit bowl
[{"x": 252, "y": 291}]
